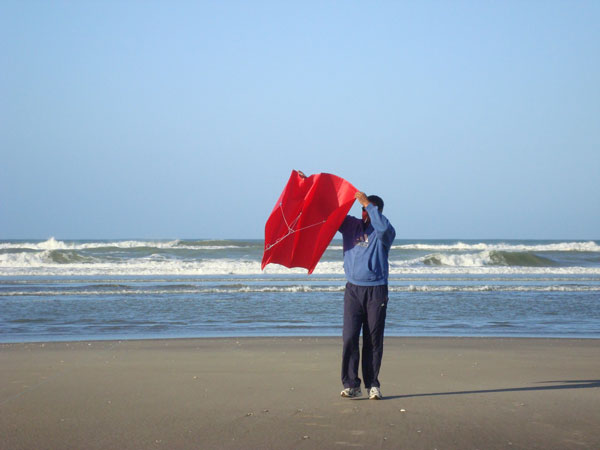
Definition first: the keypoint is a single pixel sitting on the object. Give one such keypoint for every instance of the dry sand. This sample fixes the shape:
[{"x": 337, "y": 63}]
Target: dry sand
[{"x": 283, "y": 393}]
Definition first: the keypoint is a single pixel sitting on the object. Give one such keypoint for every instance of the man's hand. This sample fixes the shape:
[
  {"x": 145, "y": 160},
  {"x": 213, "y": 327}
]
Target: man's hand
[
  {"x": 362, "y": 199},
  {"x": 301, "y": 174}
]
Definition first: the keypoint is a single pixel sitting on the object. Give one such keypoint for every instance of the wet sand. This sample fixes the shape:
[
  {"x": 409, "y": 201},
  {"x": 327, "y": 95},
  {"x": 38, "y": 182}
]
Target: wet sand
[{"x": 283, "y": 393}]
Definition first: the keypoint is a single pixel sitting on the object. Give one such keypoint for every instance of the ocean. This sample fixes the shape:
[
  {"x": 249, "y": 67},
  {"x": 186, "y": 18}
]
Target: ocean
[{"x": 63, "y": 290}]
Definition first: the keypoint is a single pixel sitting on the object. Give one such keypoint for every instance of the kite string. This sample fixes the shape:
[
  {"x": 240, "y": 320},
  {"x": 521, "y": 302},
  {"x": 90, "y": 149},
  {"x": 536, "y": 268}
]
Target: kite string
[{"x": 290, "y": 228}]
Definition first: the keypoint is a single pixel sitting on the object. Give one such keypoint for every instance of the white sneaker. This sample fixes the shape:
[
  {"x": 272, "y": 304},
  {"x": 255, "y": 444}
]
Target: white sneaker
[
  {"x": 351, "y": 392},
  {"x": 375, "y": 393}
]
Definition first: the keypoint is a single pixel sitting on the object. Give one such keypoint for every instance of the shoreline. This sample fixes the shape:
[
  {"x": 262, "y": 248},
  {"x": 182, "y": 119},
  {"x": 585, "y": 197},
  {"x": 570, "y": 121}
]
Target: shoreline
[
  {"x": 283, "y": 393},
  {"x": 293, "y": 337}
]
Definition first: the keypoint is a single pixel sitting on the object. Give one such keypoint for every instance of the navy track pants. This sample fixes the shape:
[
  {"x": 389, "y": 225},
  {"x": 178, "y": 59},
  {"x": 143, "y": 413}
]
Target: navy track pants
[{"x": 364, "y": 307}]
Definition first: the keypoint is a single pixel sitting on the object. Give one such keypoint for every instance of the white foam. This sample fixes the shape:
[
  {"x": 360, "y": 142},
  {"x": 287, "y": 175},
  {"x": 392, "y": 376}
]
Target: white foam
[
  {"x": 23, "y": 260},
  {"x": 293, "y": 289},
  {"x": 39, "y": 264},
  {"x": 486, "y": 288},
  {"x": 463, "y": 260},
  {"x": 468, "y": 260},
  {"x": 493, "y": 270},
  {"x": 53, "y": 244},
  {"x": 589, "y": 246}
]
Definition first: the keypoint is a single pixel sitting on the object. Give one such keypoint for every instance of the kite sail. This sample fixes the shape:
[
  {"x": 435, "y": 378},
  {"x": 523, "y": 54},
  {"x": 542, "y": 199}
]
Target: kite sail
[{"x": 305, "y": 218}]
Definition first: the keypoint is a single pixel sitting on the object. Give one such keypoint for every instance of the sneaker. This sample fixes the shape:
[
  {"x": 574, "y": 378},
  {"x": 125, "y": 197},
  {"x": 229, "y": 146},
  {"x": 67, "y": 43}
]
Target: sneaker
[
  {"x": 351, "y": 392},
  {"x": 375, "y": 393}
]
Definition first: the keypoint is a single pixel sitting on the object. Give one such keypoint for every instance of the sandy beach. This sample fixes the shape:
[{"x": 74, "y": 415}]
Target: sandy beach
[{"x": 283, "y": 393}]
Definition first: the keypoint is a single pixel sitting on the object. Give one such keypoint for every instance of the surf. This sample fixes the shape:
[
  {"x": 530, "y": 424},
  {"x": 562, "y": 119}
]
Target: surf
[{"x": 489, "y": 258}]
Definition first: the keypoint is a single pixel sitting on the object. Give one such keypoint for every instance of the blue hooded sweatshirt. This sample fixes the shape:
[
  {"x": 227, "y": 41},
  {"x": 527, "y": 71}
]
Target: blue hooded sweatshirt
[{"x": 366, "y": 248}]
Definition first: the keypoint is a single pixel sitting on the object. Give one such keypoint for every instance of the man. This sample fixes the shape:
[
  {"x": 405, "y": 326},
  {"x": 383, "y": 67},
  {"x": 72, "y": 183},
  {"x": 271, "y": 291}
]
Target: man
[{"x": 367, "y": 244}]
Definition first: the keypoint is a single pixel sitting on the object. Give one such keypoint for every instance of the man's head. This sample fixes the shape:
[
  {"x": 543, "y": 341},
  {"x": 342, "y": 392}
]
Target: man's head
[{"x": 375, "y": 200}]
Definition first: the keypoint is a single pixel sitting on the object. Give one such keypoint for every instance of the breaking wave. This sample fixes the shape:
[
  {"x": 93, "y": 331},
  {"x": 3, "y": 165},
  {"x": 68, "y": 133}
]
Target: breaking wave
[
  {"x": 489, "y": 258},
  {"x": 589, "y": 246},
  {"x": 238, "y": 257},
  {"x": 53, "y": 244}
]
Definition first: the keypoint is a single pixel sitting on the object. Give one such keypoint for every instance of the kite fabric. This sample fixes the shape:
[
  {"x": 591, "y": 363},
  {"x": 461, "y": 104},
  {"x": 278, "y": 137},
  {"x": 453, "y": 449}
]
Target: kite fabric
[{"x": 305, "y": 218}]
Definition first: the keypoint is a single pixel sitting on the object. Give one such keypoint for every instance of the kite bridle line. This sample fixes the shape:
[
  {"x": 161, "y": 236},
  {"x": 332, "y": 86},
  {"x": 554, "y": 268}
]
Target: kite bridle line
[{"x": 290, "y": 228}]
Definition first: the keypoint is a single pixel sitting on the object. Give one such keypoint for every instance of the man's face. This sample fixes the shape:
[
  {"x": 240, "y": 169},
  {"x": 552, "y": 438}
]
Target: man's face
[{"x": 365, "y": 216}]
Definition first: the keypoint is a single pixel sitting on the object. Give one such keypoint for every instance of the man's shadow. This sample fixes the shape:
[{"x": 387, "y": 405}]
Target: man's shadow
[{"x": 565, "y": 384}]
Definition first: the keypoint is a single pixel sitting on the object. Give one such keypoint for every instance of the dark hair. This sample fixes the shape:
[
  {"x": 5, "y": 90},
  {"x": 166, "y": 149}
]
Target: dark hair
[{"x": 377, "y": 201}]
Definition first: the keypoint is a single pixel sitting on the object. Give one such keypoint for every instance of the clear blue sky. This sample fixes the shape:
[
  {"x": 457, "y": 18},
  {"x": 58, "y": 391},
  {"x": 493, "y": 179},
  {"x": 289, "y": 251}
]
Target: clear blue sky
[{"x": 156, "y": 119}]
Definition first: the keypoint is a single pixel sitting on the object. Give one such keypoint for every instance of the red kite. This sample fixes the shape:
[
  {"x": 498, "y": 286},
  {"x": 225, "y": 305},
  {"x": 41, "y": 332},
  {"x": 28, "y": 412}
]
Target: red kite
[{"x": 305, "y": 219}]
